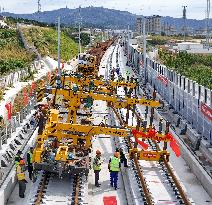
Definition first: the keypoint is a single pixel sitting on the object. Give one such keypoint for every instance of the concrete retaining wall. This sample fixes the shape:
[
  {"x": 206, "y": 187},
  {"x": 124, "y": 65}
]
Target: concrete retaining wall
[
  {"x": 192, "y": 162},
  {"x": 186, "y": 96},
  {"x": 10, "y": 183}
]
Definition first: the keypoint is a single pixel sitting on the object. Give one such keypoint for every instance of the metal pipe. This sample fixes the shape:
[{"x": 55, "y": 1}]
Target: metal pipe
[
  {"x": 79, "y": 30},
  {"x": 144, "y": 50},
  {"x": 76, "y": 197},
  {"x": 128, "y": 45},
  {"x": 59, "y": 71}
]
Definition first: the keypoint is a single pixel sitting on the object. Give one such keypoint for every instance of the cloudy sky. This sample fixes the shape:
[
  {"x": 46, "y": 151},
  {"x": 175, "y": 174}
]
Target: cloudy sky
[{"x": 195, "y": 8}]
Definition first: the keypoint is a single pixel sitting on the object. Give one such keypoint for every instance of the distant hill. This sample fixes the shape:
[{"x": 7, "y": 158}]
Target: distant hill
[{"x": 100, "y": 17}]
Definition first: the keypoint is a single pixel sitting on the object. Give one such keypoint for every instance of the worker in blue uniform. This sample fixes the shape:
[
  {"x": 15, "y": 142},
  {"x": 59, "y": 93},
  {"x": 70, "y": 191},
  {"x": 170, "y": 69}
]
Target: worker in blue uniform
[
  {"x": 118, "y": 71},
  {"x": 29, "y": 162},
  {"x": 114, "y": 168}
]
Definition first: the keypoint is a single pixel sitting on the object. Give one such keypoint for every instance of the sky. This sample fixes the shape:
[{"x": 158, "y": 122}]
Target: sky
[{"x": 195, "y": 8}]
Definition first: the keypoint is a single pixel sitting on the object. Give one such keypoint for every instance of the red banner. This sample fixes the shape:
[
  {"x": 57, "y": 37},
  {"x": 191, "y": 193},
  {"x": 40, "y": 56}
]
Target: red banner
[
  {"x": 24, "y": 91},
  {"x": 32, "y": 88},
  {"x": 25, "y": 96},
  {"x": 207, "y": 111},
  {"x": 152, "y": 134},
  {"x": 25, "y": 100},
  {"x": 9, "y": 110},
  {"x": 163, "y": 79},
  {"x": 49, "y": 76},
  {"x": 175, "y": 147},
  {"x": 30, "y": 92},
  {"x": 141, "y": 143},
  {"x": 63, "y": 65}
]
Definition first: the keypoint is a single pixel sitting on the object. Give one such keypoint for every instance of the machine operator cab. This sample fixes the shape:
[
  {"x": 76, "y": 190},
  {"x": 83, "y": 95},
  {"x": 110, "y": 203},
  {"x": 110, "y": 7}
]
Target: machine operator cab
[{"x": 86, "y": 64}]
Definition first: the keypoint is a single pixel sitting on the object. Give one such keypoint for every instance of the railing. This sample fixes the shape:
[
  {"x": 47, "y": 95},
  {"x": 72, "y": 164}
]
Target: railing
[
  {"x": 6, "y": 133},
  {"x": 187, "y": 97}
]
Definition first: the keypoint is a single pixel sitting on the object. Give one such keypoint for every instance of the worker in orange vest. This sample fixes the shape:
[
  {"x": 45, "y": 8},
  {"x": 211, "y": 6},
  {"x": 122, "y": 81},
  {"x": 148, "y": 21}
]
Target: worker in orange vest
[
  {"x": 20, "y": 171},
  {"x": 97, "y": 167}
]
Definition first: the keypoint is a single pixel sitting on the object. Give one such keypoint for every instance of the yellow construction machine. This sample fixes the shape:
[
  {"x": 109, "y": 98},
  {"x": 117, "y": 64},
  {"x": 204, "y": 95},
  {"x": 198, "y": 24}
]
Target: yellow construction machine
[
  {"x": 66, "y": 141},
  {"x": 87, "y": 64}
]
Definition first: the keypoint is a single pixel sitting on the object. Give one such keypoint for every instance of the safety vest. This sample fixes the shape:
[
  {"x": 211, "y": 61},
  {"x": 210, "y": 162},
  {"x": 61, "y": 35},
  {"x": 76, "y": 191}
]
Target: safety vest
[
  {"x": 20, "y": 173},
  {"x": 114, "y": 164},
  {"x": 96, "y": 164},
  {"x": 30, "y": 155}
]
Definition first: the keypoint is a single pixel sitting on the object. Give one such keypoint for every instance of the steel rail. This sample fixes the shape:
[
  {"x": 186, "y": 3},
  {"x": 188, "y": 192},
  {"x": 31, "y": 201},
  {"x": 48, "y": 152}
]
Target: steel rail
[
  {"x": 171, "y": 172},
  {"x": 140, "y": 174},
  {"x": 41, "y": 189},
  {"x": 77, "y": 191}
]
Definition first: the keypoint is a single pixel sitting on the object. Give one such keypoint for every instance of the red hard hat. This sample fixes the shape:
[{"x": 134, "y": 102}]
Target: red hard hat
[
  {"x": 98, "y": 152},
  {"x": 22, "y": 162}
]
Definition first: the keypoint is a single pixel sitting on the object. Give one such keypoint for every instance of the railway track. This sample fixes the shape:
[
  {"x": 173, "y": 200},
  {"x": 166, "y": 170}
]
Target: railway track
[
  {"x": 168, "y": 179},
  {"x": 53, "y": 190}
]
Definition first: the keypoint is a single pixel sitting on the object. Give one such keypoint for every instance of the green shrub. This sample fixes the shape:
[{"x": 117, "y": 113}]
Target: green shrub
[
  {"x": 196, "y": 67},
  {"x": 45, "y": 40}
]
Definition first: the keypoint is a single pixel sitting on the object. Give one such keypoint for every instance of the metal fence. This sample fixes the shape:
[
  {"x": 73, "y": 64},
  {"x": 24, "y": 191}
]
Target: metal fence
[
  {"x": 20, "y": 140},
  {"x": 15, "y": 122},
  {"x": 16, "y": 76},
  {"x": 190, "y": 100}
]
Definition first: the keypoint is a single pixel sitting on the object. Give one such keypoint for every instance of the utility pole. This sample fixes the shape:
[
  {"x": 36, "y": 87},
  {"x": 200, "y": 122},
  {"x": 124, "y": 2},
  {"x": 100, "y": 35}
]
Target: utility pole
[
  {"x": 184, "y": 18},
  {"x": 59, "y": 71},
  {"x": 102, "y": 36},
  {"x": 128, "y": 45},
  {"x": 80, "y": 19},
  {"x": 90, "y": 37},
  {"x": 39, "y": 6},
  {"x": 207, "y": 24},
  {"x": 144, "y": 50}
]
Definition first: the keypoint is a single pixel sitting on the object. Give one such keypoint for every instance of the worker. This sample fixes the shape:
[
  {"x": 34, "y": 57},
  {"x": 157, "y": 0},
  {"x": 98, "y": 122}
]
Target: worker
[
  {"x": 123, "y": 158},
  {"x": 118, "y": 71},
  {"x": 20, "y": 169},
  {"x": 97, "y": 167},
  {"x": 18, "y": 157},
  {"x": 29, "y": 162},
  {"x": 114, "y": 168},
  {"x": 41, "y": 121}
]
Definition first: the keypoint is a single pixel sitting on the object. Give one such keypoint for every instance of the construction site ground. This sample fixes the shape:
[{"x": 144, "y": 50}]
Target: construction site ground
[{"x": 106, "y": 144}]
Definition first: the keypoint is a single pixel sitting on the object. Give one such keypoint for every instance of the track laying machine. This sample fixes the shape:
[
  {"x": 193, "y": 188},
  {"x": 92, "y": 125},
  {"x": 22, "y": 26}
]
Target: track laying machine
[
  {"x": 66, "y": 141},
  {"x": 64, "y": 144}
]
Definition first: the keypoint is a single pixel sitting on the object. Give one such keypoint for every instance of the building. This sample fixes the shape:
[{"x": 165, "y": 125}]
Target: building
[
  {"x": 2, "y": 17},
  {"x": 192, "y": 47},
  {"x": 138, "y": 25},
  {"x": 152, "y": 24},
  {"x": 168, "y": 29}
]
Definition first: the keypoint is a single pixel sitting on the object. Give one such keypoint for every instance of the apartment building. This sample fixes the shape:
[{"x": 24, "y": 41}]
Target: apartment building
[{"x": 152, "y": 24}]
